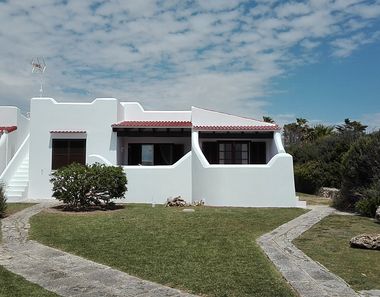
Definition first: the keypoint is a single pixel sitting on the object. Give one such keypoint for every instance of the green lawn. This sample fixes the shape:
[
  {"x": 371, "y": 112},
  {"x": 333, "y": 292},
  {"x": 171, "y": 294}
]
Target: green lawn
[
  {"x": 16, "y": 286},
  {"x": 12, "y": 284},
  {"x": 328, "y": 243},
  {"x": 212, "y": 251},
  {"x": 313, "y": 199}
]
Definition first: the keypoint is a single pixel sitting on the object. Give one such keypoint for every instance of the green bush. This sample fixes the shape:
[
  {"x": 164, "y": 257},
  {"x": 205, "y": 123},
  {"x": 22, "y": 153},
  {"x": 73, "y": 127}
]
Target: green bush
[
  {"x": 308, "y": 177},
  {"x": 3, "y": 201},
  {"x": 360, "y": 169},
  {"x": 83, "y": 186},
  {"x": 370, "y": 200}
]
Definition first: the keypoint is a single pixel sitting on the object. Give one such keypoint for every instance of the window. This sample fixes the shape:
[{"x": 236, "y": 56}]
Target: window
[
  {"x": 154, "y": 154},
  {"x": 67, "y": 151},
  {"x": 233, "y": 153},
  {"x": 147, "y": 154}
]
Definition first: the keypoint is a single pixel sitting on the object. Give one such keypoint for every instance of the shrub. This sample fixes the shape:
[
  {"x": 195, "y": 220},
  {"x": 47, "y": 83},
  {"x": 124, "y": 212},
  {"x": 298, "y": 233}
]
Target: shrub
[
  {"x": 83, "y": 186},
  {"x": 308, "y": 177},
  {"x": 370, "y": 200},
  {"x": 360, "y": 169},
  {"x": 3, "y": 201}
]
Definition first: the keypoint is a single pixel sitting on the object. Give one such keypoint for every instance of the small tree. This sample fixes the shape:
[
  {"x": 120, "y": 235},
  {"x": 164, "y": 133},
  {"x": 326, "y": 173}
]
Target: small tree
[
  {"x": 82, "y": 186},
  {"x": 3, "y": 201}
]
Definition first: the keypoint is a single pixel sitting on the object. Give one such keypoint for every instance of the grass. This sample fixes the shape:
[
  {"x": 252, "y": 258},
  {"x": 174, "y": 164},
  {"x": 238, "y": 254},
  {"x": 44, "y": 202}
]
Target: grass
[
  {"x": 15, "y": 207},
  {"x": 16, "y": 286},
  {"x": 211, "y": 251},
  {"x": 313, "y": 199},
  {"x": 328, "y": 243},
  {"x": 12, "y": 284}
]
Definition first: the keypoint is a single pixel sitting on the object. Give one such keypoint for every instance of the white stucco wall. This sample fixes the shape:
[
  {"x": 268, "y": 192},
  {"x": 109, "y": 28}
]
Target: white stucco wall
[
  {"x": 11, "y": 142},
  {"x": 95, "y": 118},
  {"x": 269, "y": 185},
  {"x": 133, "y": 111},
  {"x": 157, "y": 183}
]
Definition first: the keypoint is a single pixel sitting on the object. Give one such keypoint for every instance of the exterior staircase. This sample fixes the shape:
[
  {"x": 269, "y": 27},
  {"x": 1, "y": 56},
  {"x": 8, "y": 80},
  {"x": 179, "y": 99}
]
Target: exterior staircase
[{"x": 17, "y": 187}]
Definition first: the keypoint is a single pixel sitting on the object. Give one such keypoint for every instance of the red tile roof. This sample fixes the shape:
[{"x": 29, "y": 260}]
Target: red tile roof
[
  {"x": 238, "y": 128},
  {"x": 67, "y": 131},
  {"x": 152, "y": 124},
  {"x": 188, "y": 124},
  {"x": 8, "y": 129}
]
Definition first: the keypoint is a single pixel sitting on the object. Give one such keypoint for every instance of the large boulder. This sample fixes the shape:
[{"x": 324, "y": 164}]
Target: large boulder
[
  {"x": 366, "y": 241},
  {"x": 377, "y": 215}
]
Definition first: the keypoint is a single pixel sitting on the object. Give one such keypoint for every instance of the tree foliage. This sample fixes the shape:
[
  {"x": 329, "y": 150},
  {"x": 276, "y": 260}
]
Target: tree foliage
[
  {"x": 360, "y": 170},
  {"x": 83, "y": 186}
]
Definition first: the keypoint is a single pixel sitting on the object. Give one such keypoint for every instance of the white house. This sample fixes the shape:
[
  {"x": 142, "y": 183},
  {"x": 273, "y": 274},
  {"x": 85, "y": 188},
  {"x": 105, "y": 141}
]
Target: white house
[{"x": 223, "y": 159}]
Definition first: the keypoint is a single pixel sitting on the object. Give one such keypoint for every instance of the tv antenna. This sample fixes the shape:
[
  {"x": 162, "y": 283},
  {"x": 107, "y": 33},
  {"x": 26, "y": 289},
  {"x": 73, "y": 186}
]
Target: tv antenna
[{"x": 39, "y": 66}]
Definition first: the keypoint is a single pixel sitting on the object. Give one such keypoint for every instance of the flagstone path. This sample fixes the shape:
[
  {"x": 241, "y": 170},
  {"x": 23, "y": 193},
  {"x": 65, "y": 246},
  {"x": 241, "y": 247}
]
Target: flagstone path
[{"x": 306, "y": 276}]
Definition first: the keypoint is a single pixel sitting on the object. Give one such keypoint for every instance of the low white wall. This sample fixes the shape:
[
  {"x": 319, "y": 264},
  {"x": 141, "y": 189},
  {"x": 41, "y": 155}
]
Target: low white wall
[
  {"x": 157, "y": 183},
  {"x": 269, "y": 185}
]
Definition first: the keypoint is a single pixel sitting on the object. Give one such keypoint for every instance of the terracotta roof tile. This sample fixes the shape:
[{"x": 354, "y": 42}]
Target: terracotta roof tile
[
  {"x": 67, "y": 131},
  {"x": 153, "y": 124},
  {"x": 7, "y": 129}
]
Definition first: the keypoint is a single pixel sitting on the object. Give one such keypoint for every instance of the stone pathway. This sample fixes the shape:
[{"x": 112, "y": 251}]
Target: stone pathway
[
  {"x": 63, "y": 273},
  {"x": 307, "y": 277}
]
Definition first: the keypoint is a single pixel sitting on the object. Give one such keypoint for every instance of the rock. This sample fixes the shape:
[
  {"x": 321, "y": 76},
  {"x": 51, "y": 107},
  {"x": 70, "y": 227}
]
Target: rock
[
  {"x": 330, "y": 193},
  {"x": 176, "y": 202},
  {"x": 188, "y": 210},
  {"x": 377, "y": 215},
  {"x": 366, "y": 241}
]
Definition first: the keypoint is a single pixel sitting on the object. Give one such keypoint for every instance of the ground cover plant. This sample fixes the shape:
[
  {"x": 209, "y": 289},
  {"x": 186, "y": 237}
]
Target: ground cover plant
[
  {"x": 211, "y": 251},
  {"x": 328, "y": 243},
  {"x": 81, "y": 187}
]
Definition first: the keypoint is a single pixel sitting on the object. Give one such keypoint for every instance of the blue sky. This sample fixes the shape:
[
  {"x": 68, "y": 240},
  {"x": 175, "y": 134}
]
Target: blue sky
[{"x": 317, "y": 59}]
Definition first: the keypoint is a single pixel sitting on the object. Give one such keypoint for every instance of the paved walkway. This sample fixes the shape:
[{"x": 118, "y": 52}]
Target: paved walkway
[
  {"x": 308, "y": 278},
  {"x": 63, "y": 273}
]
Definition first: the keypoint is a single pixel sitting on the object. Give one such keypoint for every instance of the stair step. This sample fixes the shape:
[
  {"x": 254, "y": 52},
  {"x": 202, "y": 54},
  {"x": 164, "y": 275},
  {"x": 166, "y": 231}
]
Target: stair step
[
  {"x": 17, "y": 183},
  {"x": 17, "y": 187}
]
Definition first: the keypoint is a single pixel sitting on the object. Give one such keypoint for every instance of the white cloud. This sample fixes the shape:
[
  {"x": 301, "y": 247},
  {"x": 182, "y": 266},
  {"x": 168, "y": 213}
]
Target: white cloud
[{"x": 172, "y": 54}]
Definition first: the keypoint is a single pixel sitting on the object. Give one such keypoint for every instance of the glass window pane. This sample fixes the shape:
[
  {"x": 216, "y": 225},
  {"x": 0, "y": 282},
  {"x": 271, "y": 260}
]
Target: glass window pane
[
  {"x": 147, "y": 154},
  {"x": 244, "y": 147}
]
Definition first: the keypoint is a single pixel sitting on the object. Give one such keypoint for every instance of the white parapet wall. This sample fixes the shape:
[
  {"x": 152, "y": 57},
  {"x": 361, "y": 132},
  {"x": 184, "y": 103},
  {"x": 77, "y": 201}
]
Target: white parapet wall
[
  {"x": 269, "y": 185},
  {"x": 147, "y": 184}
]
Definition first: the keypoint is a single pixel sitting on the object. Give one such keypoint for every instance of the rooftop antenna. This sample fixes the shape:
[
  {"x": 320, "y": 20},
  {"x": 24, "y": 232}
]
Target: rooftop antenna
[{"x": 39, "y": 66}]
